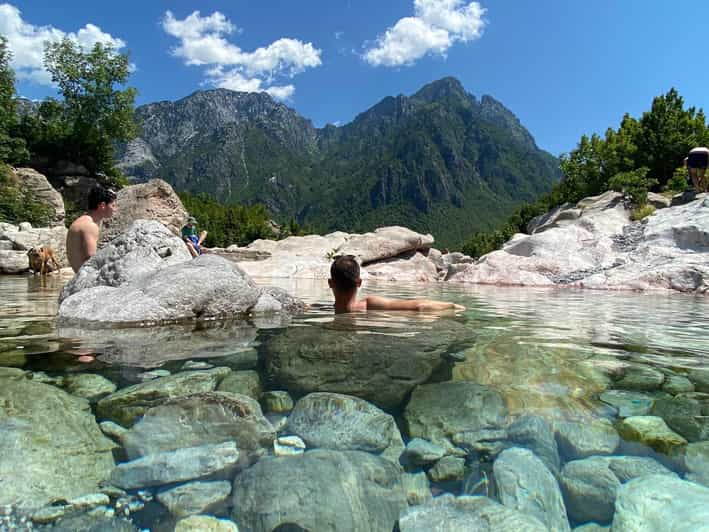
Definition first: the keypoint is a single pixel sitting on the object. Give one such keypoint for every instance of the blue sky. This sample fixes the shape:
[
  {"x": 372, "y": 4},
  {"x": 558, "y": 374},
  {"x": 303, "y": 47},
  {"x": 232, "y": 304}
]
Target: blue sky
[{"x": 564, "y": 67}]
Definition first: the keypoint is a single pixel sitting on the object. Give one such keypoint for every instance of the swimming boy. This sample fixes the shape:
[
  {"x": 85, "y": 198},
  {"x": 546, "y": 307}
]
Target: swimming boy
[
  {"x": 345, "y": 281},
  {"x": 82, "y": 237}
]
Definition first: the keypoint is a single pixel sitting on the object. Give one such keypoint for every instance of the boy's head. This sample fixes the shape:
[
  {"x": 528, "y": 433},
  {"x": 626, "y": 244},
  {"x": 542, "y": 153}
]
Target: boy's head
[
  {"x": 344, "y": 274},
  {"x": 102, "y": 199}
]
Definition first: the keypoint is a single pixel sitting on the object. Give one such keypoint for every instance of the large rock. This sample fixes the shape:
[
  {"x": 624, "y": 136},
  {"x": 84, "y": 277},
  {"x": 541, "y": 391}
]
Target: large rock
[
  {"x": 472, "y": 514},
  {"x": 602, "y": 249},
  {"x": 205, "y": 287},
  {"x": 321, "y": 490},
  {"x": 175, "y": 466},
  {"x": 344, "y": 423},
  {"x": 144, "y": 248},
  {"x": 200, "y": 419},
  {"x": 125, "y": 405},
  {"x": 154, "y": 200},
  {"x": 409, "y": 267},
  {"x": 36, "y": 188},
  {"x": 590, "y": 485},
  {"x": 583, "y": 438},
  {"x": 696, "y": 460},
  {"x": 526, "y": 484},
  {"x": 536, "y": 434},
  {"x": 437, "y": 412},
  {"x": 309, "y": 257},
  {"x": 336, "y": 359},
  {"x": 52, "y": 447},
  {"x": 12, "y": 262},
  {"x": 653, "y": 432},
  {"x": 656, "y": 503}
]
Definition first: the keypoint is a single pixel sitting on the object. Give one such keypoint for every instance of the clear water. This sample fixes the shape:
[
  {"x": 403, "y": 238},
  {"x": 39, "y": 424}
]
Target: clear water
[{"x": 548, "y": 352}]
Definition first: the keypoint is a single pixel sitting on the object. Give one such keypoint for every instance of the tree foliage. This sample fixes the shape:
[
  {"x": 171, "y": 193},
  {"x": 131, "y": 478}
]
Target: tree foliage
[
  {"x": 12, "y": 148},
  {"x": 18, "y": 206},
  {"x": 228, "y": 224},
  {"x": 640, "y": 156}
]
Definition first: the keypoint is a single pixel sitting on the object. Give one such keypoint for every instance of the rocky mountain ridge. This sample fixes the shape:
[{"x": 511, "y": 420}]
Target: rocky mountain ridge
[{"x": 439, "y": 161}]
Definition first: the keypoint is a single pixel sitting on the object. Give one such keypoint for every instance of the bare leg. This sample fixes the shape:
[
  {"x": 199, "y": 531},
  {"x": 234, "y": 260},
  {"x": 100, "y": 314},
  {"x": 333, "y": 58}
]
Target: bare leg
[
  {"x": 202, "y": 236},
  {"x": 693, "y": 174},
  {"x": 193, "y": 251},
  {"x": 702, "y": 179}
]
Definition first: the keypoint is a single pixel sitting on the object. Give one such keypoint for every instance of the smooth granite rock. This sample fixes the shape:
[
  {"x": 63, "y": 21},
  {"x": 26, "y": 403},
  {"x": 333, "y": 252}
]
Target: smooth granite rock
[
  {"x": 288, "y": 446},
  {"x": 421, "y": 452},
  {"x": 345, "y": 423},
  {"x": 438, "y": 411},
  {"x": 536, "y": 434},
  {"x": 640, "y": 378},
  {"x": 88, "y": 385},
  {"x": 200, "y": 419},
  {"x": 127, "y": 404},
  {"x": 470, "y": 514},
  {"x": 584, "y": 438},
  {"x": 447, "y": 468},
  {"x": 696, "y": 460},
  {"x": 205, "y": 523},
  {"x": 416, "y": 487},
  {"x": 628, "y": 403},
  {"x": 189, "y": 463},
  {"x": 321, "y": 490},
  {"x": 526, "y": 484},
  {"x": 675, "y": 384},
  {"x": 195, "y": 497},
  {"x": 242, "y": 382},
  {"x": 658, "y": 503},
  {"x": 52, "y": 447},
  {"x": 277, "y": 402},
  {"x": 686, "y": 414},
  {"x": 590, "y": 485},
  {"x": 653, "y": 432}
]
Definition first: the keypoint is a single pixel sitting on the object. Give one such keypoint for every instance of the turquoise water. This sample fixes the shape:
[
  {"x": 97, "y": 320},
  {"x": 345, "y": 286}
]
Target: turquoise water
[{"x": 548, "y": 353}]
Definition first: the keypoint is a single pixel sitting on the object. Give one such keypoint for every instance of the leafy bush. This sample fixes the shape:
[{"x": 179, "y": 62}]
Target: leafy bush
[
  {"x": 678, "y": 182},
  {"x": 634, "y": 184},
  {"x": 642, "y": 212}
]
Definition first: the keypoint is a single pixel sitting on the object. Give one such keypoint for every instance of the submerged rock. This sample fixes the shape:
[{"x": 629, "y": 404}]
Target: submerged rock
[
  {"x": 205, "y": 523},
  {"x": 246, "y": 382},
  {"x": 52, "y": 447},
  {"x": 447, "y": 468},
  {"x": 344, "y": 423},
  {"x": 536, "y": 434},
  {"x": 195, "y": 497},
  {"x": 526, "y": 484},
  {"x": 653, "y": 432},
  {"x": 629, "y": 403},
  {"x": 200, "y": 419},
  {"x": 584, "y": 438},
  {"x": 590, "y": 485},
  {"x": 479, "y": 514},
  {"x": 659, "y": 502},
  {"x": 421, "y": 452},
  {"x": 437, "y": 412},
  {"x": 686, "y": 413},
  {"x": 175, "y": 466},
  {"x": 125, "y": 405},
  {"x": 696, "y": 460},
  {"x": 321, "y": 490},
  {"x": 88, "y": 385}
]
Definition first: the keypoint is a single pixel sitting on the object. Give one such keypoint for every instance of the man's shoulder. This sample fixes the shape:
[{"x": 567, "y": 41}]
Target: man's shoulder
[{"x": 83, "y": 223}]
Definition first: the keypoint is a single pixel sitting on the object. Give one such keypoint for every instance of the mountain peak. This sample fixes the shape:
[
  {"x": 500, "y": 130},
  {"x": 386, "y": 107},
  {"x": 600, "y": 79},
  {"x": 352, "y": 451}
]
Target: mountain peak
[{"x": 441, "y": 89}]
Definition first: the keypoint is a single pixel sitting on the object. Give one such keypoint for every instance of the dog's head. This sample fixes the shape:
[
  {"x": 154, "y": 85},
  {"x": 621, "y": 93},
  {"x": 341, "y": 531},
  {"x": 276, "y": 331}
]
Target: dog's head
[{"x": 36, "y": 254}]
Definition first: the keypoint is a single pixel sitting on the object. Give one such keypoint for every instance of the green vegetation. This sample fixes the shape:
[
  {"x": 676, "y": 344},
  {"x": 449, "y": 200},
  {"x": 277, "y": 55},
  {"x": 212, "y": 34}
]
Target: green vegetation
[
  {"x": 92, "y": 115},
  {"x": 640, "y": 156},
  {"x": 12, "y": 148},
  {"x": 641, "y": 212},
  {"x": 17, "y": 206},
  {"x": 228, "y": 224}
]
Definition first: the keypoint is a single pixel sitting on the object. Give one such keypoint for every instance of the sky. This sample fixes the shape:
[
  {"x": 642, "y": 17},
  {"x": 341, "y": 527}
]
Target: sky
[{"x": 564, "y": 67}]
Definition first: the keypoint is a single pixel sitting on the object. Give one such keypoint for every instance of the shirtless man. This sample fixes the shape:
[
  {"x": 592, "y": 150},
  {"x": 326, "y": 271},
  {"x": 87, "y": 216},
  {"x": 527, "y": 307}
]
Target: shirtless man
[
  {"x": 83, "y": 234},
  {"x": 345, "y": 281}
]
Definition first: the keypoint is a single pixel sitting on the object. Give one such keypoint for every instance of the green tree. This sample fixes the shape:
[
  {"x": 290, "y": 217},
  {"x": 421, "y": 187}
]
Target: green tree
[
  {"x": 635, "y": 184},
  {"x": 95, "y": 111},
  {"x": 12, "y": 148}
]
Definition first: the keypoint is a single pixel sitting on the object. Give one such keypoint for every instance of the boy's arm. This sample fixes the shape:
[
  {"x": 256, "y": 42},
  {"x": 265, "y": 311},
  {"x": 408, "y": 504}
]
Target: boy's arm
[
  {"x": 90, "y": 240},
  {"x": 382, "y": 303}
]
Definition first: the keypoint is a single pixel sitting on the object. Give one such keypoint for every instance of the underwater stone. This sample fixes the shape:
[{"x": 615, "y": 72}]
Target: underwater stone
[
  {"x": 195, "y": 497},
  {"x": 653, "y": 432},
  {"x": 584, "y": 438}
]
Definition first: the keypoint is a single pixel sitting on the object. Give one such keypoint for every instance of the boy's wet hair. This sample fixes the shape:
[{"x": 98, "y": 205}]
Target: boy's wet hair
[
  {"x": 99, "y": 195},
  {"x": 344, "y": 272}
]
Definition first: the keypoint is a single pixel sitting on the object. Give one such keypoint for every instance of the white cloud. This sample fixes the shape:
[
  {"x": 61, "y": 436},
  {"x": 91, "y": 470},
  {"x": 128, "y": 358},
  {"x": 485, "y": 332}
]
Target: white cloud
[
  {"x": 434, "y": 28},
  {"x": 202, "y": 42},
  {"x": 26, "y": 41}
]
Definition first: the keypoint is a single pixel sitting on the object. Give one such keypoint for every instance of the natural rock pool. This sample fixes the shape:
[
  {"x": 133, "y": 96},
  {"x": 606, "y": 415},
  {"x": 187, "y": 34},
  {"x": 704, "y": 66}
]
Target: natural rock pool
[{"x": 535, "y": 409}]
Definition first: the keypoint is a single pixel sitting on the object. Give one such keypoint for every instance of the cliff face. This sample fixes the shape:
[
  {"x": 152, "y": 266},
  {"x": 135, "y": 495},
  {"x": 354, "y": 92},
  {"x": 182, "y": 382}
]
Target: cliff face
[{"x": 439, "y": 161}]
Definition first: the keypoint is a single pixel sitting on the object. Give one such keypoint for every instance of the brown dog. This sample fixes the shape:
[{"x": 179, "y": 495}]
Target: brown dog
[{"x": 42, "y": 260}]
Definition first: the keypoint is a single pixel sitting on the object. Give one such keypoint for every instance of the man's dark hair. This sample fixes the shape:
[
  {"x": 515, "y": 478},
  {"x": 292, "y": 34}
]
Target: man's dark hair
[
  {"x": 344, "y": 272},
  {"x": 100, "y": 195}
]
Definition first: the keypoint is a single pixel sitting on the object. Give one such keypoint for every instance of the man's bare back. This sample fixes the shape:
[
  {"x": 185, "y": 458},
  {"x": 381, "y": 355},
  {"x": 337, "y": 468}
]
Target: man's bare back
[{"x": 81, "y": 241}]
